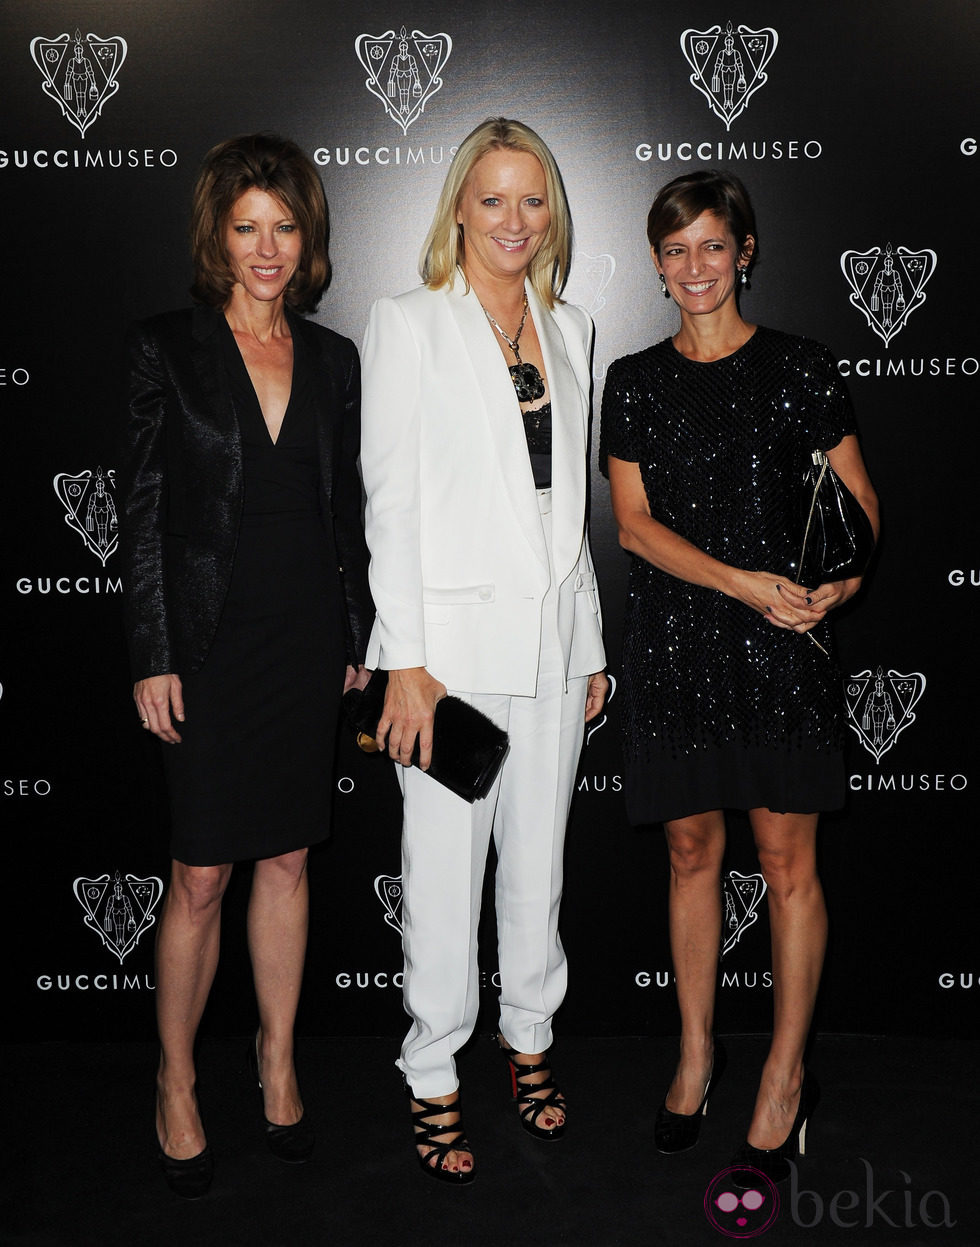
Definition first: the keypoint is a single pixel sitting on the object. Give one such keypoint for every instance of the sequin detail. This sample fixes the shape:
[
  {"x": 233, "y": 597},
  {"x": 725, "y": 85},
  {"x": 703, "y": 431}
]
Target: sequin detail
[{"x": 719, "y": 707}]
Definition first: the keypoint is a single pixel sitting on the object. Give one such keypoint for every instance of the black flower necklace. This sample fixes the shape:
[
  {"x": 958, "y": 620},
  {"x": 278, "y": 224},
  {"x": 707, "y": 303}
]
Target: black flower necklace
[{"x": 527, "y": 380}]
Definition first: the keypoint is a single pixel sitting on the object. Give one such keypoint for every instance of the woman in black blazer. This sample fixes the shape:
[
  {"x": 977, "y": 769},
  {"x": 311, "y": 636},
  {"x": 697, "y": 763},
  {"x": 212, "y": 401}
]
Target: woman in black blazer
[{"x": 246, "y": 605}]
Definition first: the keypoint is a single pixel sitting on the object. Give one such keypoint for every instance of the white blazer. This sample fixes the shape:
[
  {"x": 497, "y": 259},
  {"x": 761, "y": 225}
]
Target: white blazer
[{"x": 459, "y": 567}]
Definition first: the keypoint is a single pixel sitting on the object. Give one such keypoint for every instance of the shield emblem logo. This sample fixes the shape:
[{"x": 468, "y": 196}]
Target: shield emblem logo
[
  {"x": 728, "y": 65},
  {"x": 591, "y": 274},
  {"x": 887, "y": 286},
  {"x": 403, "y": 70},
  {"x": 90, "y": 509},
  {"x": 119, "y": 910},
  {"x": 880, "y": 707},
  {"x": 388, "y": 889},
  {"x": 79, "y": 74},
  {"x": 742, "y": 896}
]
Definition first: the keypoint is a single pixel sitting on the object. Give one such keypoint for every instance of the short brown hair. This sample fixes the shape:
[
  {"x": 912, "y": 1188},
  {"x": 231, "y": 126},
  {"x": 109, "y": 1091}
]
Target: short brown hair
[
  {"x": 682, "y": 201},
  {"x": 264, "y": 162},
  {"x": 444, "y": 248}
]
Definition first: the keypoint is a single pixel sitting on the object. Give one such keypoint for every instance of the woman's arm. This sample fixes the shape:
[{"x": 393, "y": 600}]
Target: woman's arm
[
  {"x": 783, "y": 603},
  {"x": 390, "y": 463},
  {"x": 157, "y": 691}
]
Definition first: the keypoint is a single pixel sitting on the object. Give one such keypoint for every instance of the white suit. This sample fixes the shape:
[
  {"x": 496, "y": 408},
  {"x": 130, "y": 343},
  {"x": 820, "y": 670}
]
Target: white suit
[{"x": 474, "y": 580}]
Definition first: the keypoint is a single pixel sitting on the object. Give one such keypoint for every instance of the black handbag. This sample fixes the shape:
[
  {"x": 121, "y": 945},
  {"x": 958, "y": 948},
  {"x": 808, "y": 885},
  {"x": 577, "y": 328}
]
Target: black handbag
[
  {"x": 838, "y": 540},
  {"x": 467, "y": 747}
]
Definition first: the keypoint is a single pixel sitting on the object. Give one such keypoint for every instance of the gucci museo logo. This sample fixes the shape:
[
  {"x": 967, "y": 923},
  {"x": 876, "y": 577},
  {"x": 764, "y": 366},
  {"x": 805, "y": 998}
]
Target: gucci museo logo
[
  {"x": 119, "y": 910},
  {"x": 887, "y": 286},
  {"x": 388, "y": 890},
  {"x": 90, "y": 509},
  {"x": 403, "y": 70},
  {"x": 728, "y": 65},
  {"x": 880, "y": 706},
  {"x": 591, "y": 274},
  {"x": 79, "y": 74},
  {"x": 742, "y": 896}
]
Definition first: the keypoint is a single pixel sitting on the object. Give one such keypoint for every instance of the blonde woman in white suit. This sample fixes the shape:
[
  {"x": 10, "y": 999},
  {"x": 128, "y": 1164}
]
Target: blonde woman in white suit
[{"x": 474, "y": 455}]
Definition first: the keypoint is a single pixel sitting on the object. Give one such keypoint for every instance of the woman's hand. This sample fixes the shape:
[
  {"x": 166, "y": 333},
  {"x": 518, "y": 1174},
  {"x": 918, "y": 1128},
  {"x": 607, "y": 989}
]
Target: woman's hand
[
  {"x": 157, "y": 698},
  {"x": 835, "y": 592},
  {"x": 409, "y": 713},
  {"x": 356, "y": 677},
  {"x": 595, "y": 697},
  {"x": 784, "y": 604}
]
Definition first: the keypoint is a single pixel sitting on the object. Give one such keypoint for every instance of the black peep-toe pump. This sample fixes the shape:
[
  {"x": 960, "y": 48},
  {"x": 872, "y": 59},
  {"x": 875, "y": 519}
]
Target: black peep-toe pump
[{"x": 291, "y": 1144}]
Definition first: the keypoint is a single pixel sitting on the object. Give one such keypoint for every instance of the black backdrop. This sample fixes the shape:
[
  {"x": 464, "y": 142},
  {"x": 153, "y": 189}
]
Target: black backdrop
[{"x": 854, "y": 127}]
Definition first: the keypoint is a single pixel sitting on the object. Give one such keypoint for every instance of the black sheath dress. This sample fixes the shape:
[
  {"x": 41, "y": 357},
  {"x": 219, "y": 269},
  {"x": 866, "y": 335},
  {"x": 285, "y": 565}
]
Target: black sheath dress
[
  {"x": 720, "y": 708},
  {"x": 252, "y": 777}
]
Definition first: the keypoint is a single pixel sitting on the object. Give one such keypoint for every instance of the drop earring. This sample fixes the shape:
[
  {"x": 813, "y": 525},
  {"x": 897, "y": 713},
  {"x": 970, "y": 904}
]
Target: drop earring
[
  {"x": 663, "y": 287},
  {"x": 742, "y": 279}
]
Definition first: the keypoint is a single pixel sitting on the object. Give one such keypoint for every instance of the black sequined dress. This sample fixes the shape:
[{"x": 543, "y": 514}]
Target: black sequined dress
[{"x": 721, "y": 709}]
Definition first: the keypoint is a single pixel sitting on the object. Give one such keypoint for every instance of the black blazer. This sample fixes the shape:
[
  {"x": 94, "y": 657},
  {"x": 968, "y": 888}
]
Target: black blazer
[{"x": 182, "y": 490}]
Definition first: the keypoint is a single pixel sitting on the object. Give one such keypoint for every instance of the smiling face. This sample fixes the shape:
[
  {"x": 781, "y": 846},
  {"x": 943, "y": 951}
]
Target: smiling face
[
  {"x": 263, "y": 244},
  {"x": 504, "y": 212},
  {"x": 699, "y": 264}
]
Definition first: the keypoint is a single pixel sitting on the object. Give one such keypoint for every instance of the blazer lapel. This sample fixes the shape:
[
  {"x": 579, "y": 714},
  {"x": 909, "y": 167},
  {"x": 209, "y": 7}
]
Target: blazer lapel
[
  {"x": 325, "y": 401},
  {"x": 496, "y": 392},
  {"x": 568, "y": 443},
  {"x": 206, "y": 356}
]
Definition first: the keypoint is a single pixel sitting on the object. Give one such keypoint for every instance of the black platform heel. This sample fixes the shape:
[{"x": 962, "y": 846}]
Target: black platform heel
[
  {"x": 679, "y": 1132},
  {"x": 291, "y": 1144},
  {"x": 530, "y": 1107},
  {"x": 774, "y": 1162},
  {"x": 430, "y": 1134}
]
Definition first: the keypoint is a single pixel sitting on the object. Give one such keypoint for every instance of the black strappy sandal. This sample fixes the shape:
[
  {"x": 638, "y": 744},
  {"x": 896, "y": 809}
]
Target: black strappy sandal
[
  {"x": 531, "y": 1106},
  {"x": 431, "y": 1135}
]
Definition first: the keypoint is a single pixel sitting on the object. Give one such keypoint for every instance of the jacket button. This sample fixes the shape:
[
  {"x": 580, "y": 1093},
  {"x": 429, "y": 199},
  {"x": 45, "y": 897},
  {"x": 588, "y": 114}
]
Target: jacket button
[{"x": 484, "y": 595}]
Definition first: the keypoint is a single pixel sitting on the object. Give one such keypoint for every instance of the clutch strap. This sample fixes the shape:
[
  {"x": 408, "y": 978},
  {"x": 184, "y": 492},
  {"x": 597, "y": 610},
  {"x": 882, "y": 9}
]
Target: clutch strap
[{"x": 819, "y": 461}]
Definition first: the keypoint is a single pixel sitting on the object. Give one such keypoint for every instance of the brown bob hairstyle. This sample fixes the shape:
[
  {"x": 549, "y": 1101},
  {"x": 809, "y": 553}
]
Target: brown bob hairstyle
[
  {"x": 267, "y": 163},
  {"x": 682, "y": 201}
]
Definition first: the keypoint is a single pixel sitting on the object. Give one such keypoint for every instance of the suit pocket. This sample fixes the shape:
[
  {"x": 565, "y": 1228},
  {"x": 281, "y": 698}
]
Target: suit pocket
[{"x": 438, "y": 604}]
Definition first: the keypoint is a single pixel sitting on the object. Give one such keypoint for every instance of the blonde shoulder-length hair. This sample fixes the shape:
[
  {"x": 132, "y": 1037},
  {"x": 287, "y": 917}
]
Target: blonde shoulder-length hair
[{"x": 444, "y": 249}]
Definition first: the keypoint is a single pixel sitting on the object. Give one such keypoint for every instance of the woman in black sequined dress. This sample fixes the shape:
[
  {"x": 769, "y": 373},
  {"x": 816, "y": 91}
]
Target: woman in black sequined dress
[{"x": 732, "y": 695}]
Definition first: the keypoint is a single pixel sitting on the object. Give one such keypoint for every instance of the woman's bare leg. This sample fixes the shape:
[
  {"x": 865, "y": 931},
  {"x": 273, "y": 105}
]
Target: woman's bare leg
[
  {"x": 186, "y": 958},
  {"x": 786, "y": 844},
  {"x": 696, "y": 845},
  {"x": 278, "y": 920}
]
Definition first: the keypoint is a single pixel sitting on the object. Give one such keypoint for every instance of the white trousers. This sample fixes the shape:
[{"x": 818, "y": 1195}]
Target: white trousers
[{"x": 444, "y": 855}]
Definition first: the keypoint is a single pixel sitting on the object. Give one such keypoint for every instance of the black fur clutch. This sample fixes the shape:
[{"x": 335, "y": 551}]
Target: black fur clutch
[{"x": 467, "y": 747}]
